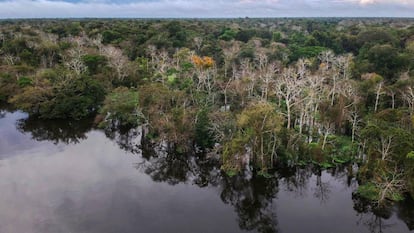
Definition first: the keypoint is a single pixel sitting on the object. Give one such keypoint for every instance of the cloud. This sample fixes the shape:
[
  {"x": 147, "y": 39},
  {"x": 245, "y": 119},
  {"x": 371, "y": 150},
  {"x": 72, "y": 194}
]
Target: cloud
[
  {"x": 204, "y": 8},
  {"x": 388, "y": 2}
]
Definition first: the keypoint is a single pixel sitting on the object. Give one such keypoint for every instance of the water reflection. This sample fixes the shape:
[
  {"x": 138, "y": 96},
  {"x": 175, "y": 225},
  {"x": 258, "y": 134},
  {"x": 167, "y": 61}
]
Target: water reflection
[
  {"x": 253, "y": 200},
  {"x": 126, "y": 138},
  {"x": 406, "y": 212},
  {"x": 108, "y": 181},
  {"x": 56, "y": 131},
  {"x": 174, "y": 168},
  {"x": 251, "y": 196}
]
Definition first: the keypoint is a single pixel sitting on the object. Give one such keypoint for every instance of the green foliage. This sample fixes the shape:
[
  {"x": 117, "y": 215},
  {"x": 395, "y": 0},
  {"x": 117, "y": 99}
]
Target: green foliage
[
  {"x": 8, "y": 86},
  {"x": 228, "y": 34},
  {"x": 409, "y": 167},
  {"x": 410, "y": 155},
  {"x": 374, "y": 36},
  {"x": 276, "y": 36},
  {"x": 35, "y": 99},
  {"x": 203, "y": 135},
  {"x": 316, "y": 153},
  {"x": 369, "y": 191},
  {"x": 258, "y": 126},
  {"x": 233, "y": 152},
  {"x": 341, "y": 149},
  {"x": 177, "y": 33},
  {"x": 94, "y": 63},
  {"x": 386, "y": 127},
  {"x": 24, "y": 81},
  {"x": 305, "y": 52},
  {"x": 121, "y": 108},
  {"x": 38, "y": 75},
  {"x": 109, "y": 36},
  {"x": 76, "y": 99},
  {"x": 385, "y": 60}
]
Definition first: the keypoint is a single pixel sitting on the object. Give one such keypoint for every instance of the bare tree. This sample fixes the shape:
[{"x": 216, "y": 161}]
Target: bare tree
[
  {"x": 327, "y": 59},
  {"x": 73, "y": 61},
  {"x": 385, "y": 146},
  {"x": 343, "y": 65},
  {"x": 247, "y": 74},
  {"x": 198, "y": 42},
  {"x": 117, "y": 61},
  {"x": 327, "y": 129},
  {"x": 152, "y": 51},
  {"x": 230, "y": 53},
  {"x": 10, "y": 59},
  {"x": 267, "y": 79},
  {"x": 390, "y": 184},
  {"x": 408, "y": 96},
  {"x": 355, "y": 120},
  {"x": 289, "y": 88},
  {"x": 379, "y": 92}
]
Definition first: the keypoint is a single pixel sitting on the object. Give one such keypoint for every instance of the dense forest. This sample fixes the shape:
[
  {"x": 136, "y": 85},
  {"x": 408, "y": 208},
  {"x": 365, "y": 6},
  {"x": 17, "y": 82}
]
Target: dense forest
[{"x": 256, "y": 93}]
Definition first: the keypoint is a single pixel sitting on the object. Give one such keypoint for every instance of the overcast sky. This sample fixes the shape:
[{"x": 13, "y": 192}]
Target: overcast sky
[{"x": 205, "y": 8}]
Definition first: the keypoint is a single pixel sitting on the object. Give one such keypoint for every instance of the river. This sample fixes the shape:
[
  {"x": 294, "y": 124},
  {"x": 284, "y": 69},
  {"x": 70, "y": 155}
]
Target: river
[{"x": 65, "y": 176}]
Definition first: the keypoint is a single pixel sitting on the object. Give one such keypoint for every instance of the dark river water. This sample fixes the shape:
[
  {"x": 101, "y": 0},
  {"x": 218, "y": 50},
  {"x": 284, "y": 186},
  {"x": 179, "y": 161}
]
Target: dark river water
[{"x": 66, "y": 177}]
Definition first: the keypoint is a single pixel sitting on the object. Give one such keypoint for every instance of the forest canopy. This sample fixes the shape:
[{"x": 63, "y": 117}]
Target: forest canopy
[{"x": 262, "y": 93}]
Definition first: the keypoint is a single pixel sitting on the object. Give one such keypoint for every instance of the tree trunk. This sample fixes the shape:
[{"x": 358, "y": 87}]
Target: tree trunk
[{"x": 378, "y": 96}]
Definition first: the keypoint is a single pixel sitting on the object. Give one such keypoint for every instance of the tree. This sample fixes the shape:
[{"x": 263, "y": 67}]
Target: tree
[
  {"x": 289, "y": 89},
  {"x": 117, "y": 61},
  {"x": 230, "y": 52},
  {"x": 408, "y": 96},
  {"x": 74, "y": 99},
  {"x": 256, "y": 139},
  {"x": 121, "y": 108},
  {"x": 74, "y": 61},
  {"x": 372, "y": 85}
]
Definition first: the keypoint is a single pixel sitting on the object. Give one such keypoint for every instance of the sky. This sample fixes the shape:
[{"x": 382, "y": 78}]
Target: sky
[{"x": 204, "y": 8}]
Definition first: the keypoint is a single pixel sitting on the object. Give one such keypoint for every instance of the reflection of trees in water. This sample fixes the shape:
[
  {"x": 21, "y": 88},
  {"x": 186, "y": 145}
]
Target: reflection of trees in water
[
  {"x": 173, "y": 168},
  {"x": 372, "y": 216},
  {"x": 5, "y": 108},
  {"x": 56, "y": 131},
  {"x": 322, "y": 189},
  {"x": 128, "y": 139},
  {"x": 341, "y": 174},
  {"x": 252, "y": 198},
  {"x": 345, "y": 175},
  {"x": 373, "y": 222},
  {"x": 296, "y": 180},
  {"x": 406, "y": 212}
]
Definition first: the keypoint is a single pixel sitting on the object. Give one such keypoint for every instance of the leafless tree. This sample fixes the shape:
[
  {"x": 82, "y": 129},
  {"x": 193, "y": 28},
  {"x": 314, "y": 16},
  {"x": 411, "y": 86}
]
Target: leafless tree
[
  {"x": 408, "y": 96},
  {"x": 379, "y": 92},
  {"x": 117, "y": 61},
  {"x": 198, "y": 42},
  {"x": 389, "y": 184},
  {"x": 355, "y": 120},
  {"x": 289, "y": 88},
  {"x": 10, "y": 59},
  {"x": 230, "y": 52},
  {"x": 73, "y": 61}
]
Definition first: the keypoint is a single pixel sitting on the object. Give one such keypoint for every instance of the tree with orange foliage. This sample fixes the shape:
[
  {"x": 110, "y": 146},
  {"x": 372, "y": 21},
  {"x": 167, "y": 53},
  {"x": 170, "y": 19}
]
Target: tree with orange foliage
[
  {"x": 202, "y": 62},
  {"x": 204, "y": 72}
]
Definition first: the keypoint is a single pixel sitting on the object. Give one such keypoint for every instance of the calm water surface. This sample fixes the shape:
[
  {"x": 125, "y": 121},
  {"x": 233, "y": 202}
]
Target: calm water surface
[{"x": 61, "y": 177}]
